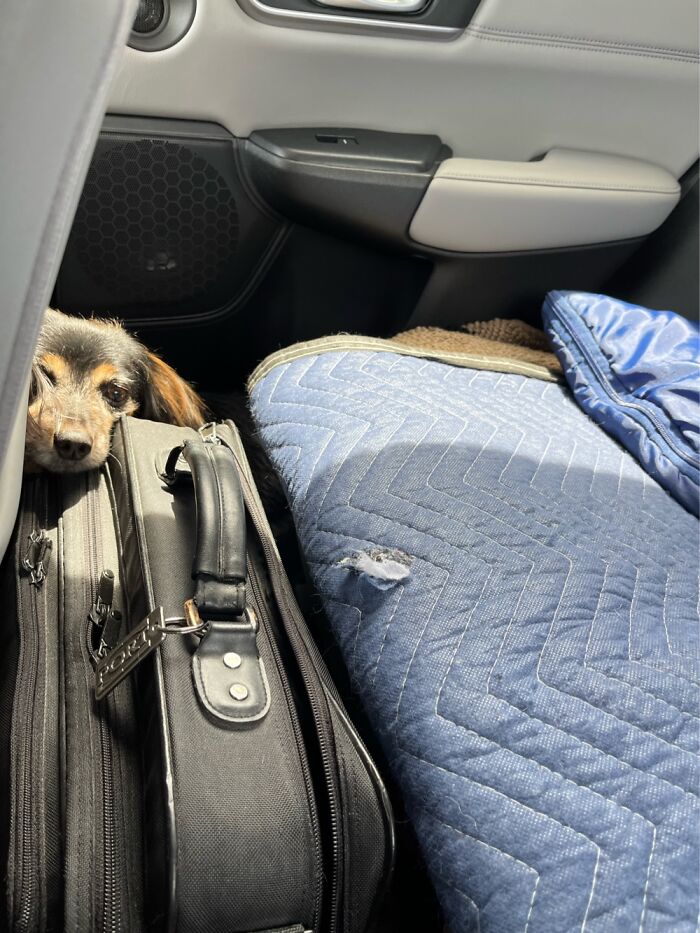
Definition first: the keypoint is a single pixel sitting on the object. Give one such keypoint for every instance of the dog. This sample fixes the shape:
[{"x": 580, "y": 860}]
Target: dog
[{"x": 85, "y": 374}]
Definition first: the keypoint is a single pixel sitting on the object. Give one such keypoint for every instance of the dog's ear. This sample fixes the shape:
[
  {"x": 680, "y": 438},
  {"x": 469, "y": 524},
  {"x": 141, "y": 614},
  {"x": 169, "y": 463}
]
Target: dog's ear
[{"x": 168, "y": 398}]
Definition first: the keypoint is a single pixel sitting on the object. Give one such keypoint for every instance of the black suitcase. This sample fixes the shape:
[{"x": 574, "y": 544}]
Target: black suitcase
[{"x": 176, "y": 755}]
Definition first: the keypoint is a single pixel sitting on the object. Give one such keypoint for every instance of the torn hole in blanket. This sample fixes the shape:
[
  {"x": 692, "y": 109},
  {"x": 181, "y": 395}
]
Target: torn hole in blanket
[{"x": 382, "y": 567}]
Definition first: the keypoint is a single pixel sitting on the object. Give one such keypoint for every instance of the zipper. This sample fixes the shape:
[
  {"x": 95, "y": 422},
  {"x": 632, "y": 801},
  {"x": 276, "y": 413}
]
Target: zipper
[
  {"x": 36, "y": 557},
  {"x": 35, "y": 846},
  {"x": 102, "y": 619},
  {"x": 321, "y": 715},
  {"x": 111, "y": 912},
  {"x": 99, "y": 616},
  {"x": 625, "y": 402},
  {"x": 29, "y": 876},
  {"x": 260, "y": 607},
  {"x": 317, "y": 701}
]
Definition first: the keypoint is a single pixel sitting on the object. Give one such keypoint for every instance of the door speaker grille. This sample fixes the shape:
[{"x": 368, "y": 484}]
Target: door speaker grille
[{"x": 156, "y": 223}]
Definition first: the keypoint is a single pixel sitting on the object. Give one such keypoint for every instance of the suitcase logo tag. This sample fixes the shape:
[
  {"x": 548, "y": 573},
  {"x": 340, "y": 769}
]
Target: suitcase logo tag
[{"x": 131, "y": 650}]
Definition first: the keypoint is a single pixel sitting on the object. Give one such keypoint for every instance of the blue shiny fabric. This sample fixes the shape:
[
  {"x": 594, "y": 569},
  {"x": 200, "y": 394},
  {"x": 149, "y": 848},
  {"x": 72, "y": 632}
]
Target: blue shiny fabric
[
  {"x": 637, "y": 373},
  {"x": 516, "y": 602}
]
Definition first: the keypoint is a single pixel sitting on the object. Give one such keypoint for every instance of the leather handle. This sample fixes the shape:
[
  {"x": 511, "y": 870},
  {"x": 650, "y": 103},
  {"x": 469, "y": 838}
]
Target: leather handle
[
  {"x": 219, "y": 565},
  {"x": 229, "y": 674}
]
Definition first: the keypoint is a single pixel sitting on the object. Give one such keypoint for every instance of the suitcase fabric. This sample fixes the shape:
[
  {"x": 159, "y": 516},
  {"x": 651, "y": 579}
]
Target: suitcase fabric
[{"x": 217, "y": 786}]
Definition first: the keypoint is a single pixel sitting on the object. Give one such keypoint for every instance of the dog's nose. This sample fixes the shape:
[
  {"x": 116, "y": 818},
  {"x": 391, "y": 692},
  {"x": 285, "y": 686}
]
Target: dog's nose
[{"x": 72, "y": 446}]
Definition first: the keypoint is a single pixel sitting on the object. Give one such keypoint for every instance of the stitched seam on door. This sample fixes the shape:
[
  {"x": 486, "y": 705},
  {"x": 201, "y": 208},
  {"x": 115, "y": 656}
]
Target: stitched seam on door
[
  {"x": 554, "y": 183},
  {"x": 680, "y": 58},
  {"x": 583, "y": 40}
]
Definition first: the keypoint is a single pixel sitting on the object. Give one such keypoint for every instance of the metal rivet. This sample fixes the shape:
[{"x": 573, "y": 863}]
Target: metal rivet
[
  {"x": 238, "y": 691},
  {"x": 232, "y": 660}
]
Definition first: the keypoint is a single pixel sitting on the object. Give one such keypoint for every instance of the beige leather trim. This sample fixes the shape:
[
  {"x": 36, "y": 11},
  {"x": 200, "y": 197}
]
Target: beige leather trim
[{"x": 566, "y": 199}]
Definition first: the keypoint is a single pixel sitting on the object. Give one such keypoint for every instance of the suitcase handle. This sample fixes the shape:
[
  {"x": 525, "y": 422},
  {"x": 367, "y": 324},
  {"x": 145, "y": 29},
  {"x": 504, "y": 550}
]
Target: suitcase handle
[
  {"x": 219, "y": 564},
  {"x": 229, "y": 674}
]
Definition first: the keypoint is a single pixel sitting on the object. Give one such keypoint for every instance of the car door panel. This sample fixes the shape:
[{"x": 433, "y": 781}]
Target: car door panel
[
  {"x": 612, "y": 90},
  {"x": 341, "y": 242}
]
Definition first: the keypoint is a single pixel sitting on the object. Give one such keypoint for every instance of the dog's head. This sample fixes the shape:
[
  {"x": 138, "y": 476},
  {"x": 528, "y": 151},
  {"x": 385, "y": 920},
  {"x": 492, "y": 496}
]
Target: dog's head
[{"x": 85, "y": 374}]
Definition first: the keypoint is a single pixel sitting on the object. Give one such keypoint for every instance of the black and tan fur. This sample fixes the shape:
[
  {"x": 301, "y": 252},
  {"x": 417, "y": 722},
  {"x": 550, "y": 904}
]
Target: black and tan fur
[{"x": 85, "y": 374}]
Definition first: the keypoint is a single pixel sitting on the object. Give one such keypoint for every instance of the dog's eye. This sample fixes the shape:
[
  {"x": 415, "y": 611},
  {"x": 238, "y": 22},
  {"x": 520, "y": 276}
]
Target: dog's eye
[
  {"x": 40, "y": 377},
  {"x": 47, "y": 374},
  {"x": 115, "y": 394}
]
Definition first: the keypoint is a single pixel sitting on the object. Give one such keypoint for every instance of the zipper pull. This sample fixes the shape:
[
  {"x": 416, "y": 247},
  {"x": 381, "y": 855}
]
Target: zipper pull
[
  {"x": 105, "y": 620},
  {"x": 208, "y": 434},
  {"x": 110, "y": 633},
  {"x": 36, "y": 559},
  {"x": 103, "y": 601}
]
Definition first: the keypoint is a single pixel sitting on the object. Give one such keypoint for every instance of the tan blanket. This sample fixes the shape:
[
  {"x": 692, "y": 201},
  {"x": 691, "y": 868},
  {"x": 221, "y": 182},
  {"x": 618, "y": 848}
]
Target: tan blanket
[{"x": 504, "y": 339}]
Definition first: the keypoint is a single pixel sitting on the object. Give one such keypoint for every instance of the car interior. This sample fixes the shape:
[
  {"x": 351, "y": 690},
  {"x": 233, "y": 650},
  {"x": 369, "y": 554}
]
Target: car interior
[{"x": 232, "y": 178}]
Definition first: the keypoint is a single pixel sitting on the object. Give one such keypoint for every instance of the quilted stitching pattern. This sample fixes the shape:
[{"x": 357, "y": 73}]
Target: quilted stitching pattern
[{"x": 534, "y": 680}]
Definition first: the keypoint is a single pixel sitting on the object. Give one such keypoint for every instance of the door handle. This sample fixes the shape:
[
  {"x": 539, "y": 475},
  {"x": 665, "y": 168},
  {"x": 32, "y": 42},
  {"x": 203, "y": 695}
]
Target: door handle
[{"x": 377, "y": 6}]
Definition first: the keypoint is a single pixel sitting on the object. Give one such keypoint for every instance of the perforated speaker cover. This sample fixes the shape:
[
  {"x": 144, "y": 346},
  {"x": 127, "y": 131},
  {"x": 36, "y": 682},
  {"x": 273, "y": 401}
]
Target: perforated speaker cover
[
  {"x": 164, "y": 227},
  {"x": 156, "y": 222}
]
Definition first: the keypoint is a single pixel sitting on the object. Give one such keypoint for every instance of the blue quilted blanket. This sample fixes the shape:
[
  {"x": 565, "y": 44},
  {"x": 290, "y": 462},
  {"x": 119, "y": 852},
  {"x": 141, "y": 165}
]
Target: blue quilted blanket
[{"x": 517, "y": 604}]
